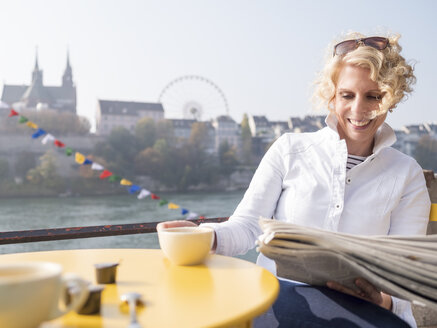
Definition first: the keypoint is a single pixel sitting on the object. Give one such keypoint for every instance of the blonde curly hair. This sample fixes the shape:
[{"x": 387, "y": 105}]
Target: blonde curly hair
[{"x": 387, "y": 67}]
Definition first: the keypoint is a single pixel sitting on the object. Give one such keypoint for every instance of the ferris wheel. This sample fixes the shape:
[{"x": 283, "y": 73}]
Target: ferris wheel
[{"x": 193, "y": 97}]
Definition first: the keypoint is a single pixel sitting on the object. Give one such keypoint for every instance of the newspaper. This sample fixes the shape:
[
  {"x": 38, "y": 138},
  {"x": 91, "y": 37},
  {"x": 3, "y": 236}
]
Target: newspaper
[{"x": 402, "y": 266}]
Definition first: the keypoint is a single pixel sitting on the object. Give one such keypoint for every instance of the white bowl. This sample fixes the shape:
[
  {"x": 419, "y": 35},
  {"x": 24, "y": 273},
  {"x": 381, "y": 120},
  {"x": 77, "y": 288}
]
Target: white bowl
[{"x": 186, "y": 245}]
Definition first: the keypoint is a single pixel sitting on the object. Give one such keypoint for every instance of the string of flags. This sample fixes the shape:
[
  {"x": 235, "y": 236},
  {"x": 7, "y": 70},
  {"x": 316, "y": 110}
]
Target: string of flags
[{"x": 105, "y": 174}]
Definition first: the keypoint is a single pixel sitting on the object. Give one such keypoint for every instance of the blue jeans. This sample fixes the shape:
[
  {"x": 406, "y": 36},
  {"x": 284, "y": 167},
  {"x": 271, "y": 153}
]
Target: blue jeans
[{"x": 307, "y": 306}]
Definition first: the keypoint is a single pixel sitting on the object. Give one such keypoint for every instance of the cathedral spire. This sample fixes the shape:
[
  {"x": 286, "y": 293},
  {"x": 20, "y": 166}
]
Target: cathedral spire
[
  {"x": 67, "y": 78},
  {"x": 37, "y": 73},
  {"x": 68, "y": 58},
  {"x": 36, "y": 59}
]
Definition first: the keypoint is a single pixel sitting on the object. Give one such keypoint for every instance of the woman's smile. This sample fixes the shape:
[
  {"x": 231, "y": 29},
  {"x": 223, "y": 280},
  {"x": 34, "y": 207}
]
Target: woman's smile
[
  {"x": 362, "y": 124},
  {"x": 356, "y": 103}
]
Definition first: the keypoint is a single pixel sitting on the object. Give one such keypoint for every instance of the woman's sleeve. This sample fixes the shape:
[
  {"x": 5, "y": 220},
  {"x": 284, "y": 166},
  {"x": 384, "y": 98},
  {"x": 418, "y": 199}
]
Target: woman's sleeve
[
  {"x": 410, "y": 217},
  {"x": 402, "y": 309},
  {"x": 239, "y": 233}
]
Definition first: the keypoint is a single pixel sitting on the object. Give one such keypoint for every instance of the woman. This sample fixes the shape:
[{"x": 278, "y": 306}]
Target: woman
[{"x": 344, "y": 178}]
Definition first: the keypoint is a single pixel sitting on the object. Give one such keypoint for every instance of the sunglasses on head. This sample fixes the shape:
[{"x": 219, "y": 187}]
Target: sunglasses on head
[{"x": 376, "y": 42}]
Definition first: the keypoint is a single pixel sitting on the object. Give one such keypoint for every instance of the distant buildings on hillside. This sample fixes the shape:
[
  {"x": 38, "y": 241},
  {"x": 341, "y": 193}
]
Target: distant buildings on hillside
[
  {"x": 111, "y": 114},
  {"x": 37, "y": 96},
  {"x": 409, "y": 136},
  {"x": 114, "y": 113},
  {"x": 264, "y": 132}
]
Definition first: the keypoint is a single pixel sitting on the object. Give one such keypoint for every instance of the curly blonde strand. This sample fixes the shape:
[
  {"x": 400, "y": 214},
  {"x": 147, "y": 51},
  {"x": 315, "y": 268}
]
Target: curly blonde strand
[{"x": 388, "y": 68}]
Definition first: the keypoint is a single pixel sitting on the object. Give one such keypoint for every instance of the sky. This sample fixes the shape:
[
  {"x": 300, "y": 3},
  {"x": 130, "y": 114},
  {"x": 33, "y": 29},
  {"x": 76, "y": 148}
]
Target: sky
[{"x": 262, "y": 55}]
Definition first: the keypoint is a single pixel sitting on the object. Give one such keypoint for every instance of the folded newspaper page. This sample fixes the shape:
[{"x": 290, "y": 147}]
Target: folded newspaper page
[{"x": 402, "y": 266}]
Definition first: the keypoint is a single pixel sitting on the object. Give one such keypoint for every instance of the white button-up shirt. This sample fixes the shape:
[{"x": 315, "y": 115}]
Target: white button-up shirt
[{"x": 302, "y": 179}]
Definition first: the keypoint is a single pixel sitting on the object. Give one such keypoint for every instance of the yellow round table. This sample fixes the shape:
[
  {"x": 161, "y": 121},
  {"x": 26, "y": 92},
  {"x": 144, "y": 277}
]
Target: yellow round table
[{"x": 222, "y": 292}]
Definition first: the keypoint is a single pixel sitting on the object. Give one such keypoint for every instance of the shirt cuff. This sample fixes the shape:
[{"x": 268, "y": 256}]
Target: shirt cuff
[
  {"x": 402, "y": 309},
  {"x": 221, "y": 238}
]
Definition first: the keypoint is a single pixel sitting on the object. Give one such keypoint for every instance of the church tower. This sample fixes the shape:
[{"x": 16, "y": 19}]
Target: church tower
[
  {"x": 67, "y": 78},
  {"x": 35, "y": 93},
  {"x": 37, "y": 73},
  {"x": 37, "y": 96}
]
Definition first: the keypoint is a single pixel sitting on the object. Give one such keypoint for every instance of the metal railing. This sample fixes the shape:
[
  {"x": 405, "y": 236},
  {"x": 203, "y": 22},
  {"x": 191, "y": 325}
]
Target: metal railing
[{"x": 29, "y": 236}]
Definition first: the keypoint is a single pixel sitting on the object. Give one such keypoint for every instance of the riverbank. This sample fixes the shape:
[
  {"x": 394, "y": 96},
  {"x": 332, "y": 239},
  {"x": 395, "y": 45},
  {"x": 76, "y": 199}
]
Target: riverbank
[{"x": 79, "y": 186}]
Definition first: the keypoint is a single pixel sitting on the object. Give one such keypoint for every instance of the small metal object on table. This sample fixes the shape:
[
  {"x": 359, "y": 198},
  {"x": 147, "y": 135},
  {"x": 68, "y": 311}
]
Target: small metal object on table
[{"x": 132, "y": 299}]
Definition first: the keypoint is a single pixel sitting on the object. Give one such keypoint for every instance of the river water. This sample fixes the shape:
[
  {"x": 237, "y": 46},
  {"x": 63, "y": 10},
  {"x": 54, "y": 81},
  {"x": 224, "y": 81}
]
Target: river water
[{"x": 40, "y": 213}]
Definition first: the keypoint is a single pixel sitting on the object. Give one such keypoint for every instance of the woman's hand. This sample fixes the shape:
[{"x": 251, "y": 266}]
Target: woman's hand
[
  {"x": 174, "y": 224},
  {"x": 365, "y": 291}
]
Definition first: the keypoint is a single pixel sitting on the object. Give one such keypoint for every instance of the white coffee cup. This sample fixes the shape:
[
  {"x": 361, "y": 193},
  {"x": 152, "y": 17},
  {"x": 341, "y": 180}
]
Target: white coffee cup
[
  {"x": 186, "y": 245},
  {"x": 34, "y": 292}
]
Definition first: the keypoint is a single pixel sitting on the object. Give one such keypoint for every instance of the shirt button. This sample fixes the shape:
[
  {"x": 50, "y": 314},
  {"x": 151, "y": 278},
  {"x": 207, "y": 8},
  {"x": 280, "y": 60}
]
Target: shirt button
[
  {"x": 348, "y": 180},
  {"x": 338, "y": 206}
]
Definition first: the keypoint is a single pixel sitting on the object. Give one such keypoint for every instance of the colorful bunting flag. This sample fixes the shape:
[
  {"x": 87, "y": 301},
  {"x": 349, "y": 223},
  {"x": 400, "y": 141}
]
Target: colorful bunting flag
[
  {"x": 68, "y": 151},
  {"x": 173, "y": 206},
  {"x": 134, "y": 188},
  {"x": 38, "y": 133},
  {"x": 125, "y": 182},
  {"x": 4, "y": 105},
  {"x": 192, "y": 215},
  {"x": 163, "y": 202},
  {"x": 114, "y": 178},
  {"x": 79, "y": 158},
  {"x": 96, "y": 166},
  {"x": 143, "y": 194},
  {"x": 59, "y": 144},
  {"x": 105, "y": 174},
  {"x": 48, "y": 137},
  {"x": 13, "y": 113},
  {"x": 31, "y": 125}
]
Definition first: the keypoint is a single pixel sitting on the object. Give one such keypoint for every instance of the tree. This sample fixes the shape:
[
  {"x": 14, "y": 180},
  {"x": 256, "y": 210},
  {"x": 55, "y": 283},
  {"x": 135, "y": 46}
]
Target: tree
[
  {"x": 119, "y": 150},
  {"x": 162, "y": 162},
  {"x": 165, "y": 130},
  {"x": 199, "y": 136},
  {"x": 178, "y": 166},
  {"x": 425, "y": 153},
  {"x": 202, "y": 165},
  {"x": 246, "y": 141},
  {"x": 145, "y": 133},
  {"x": 227, "y": 158},
  {"x": 45, "y": 173},
  {"x": 149, "y": 162}
]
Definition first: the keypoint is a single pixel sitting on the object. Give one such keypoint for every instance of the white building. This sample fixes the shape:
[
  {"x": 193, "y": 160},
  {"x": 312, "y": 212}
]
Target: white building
[
  {"x": 181, "y": 127},
  {"x": 226, "y": 130},
  {"x": 260, "y": 126},
  {"x": 112, "y": 113}
]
